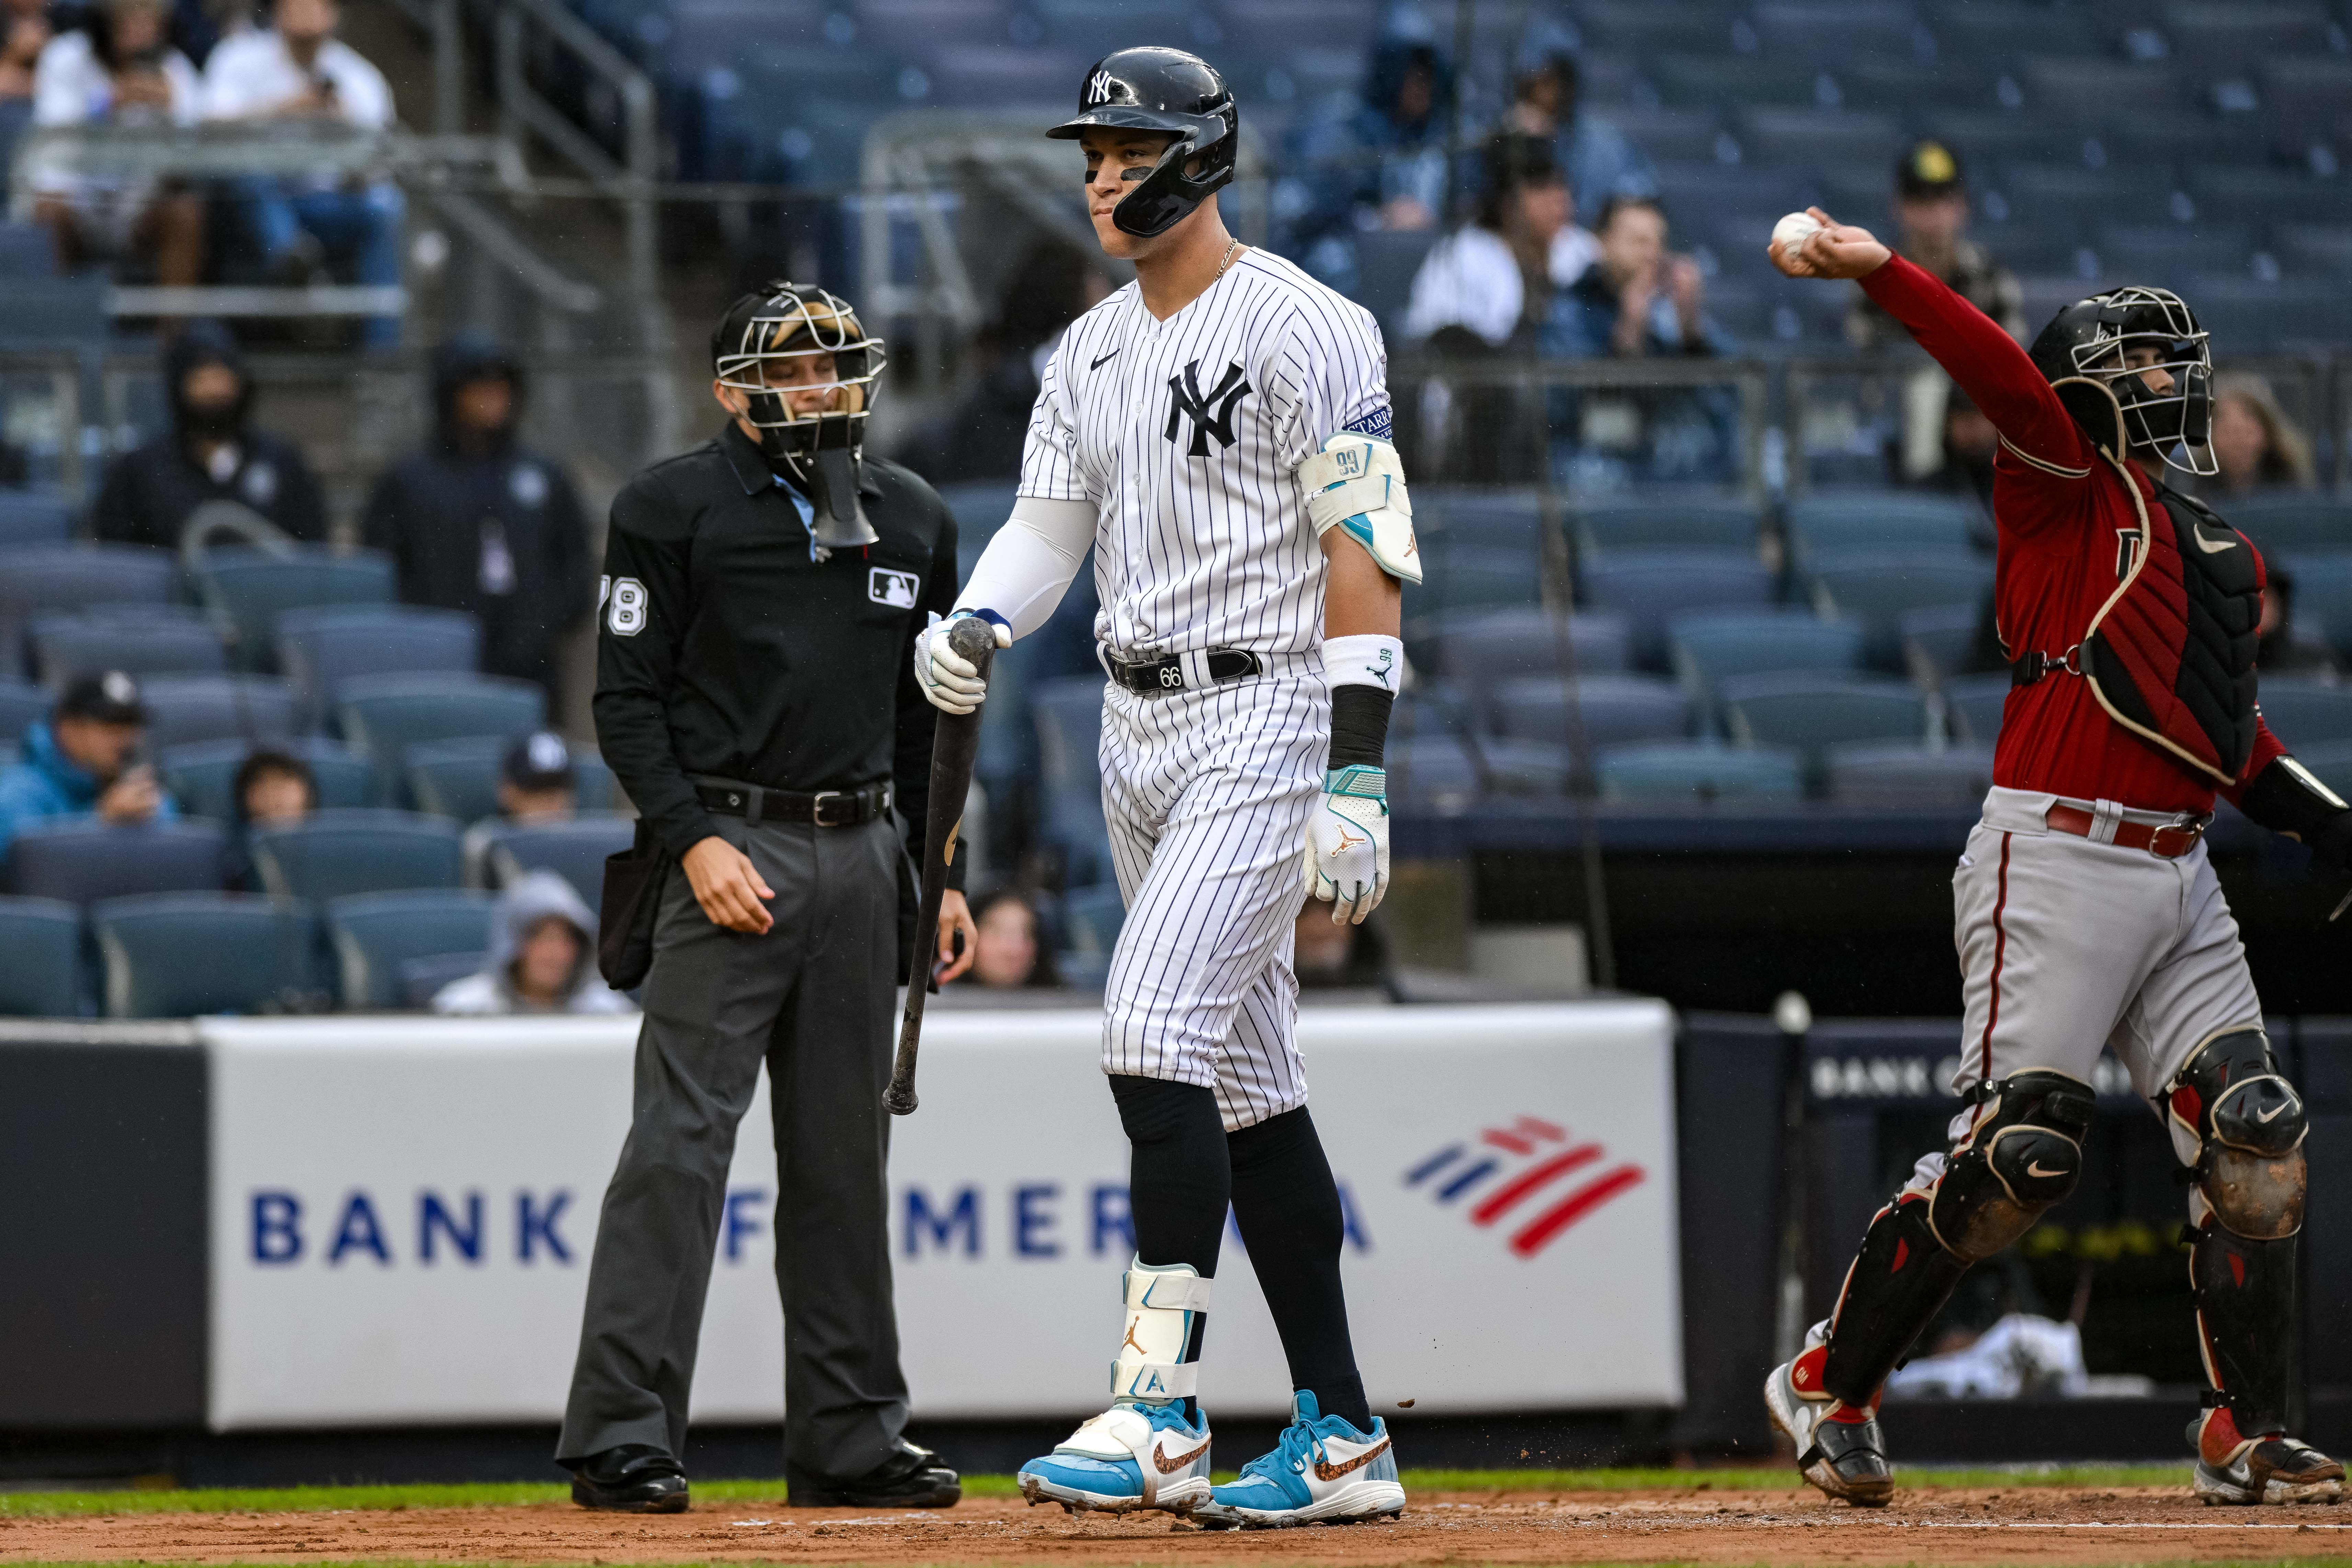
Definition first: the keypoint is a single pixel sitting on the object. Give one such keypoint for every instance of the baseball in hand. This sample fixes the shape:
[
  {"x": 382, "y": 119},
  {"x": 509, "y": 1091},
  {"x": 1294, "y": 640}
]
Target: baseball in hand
[{"x": 1794, "y": 230}]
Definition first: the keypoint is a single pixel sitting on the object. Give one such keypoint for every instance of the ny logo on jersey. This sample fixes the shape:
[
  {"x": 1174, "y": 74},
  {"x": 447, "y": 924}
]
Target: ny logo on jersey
[{"x": 1185, "y": 402}]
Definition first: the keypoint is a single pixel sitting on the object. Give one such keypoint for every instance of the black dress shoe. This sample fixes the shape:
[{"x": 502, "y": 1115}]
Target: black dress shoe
[
  {"x": 632, "y": 1479},
  {"x": 911, "y": 1478}
]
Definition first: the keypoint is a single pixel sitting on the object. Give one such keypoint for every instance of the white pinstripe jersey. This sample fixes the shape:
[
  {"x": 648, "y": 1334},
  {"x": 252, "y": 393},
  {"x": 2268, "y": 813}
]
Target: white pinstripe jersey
[{"x": 1185, "y": 433}]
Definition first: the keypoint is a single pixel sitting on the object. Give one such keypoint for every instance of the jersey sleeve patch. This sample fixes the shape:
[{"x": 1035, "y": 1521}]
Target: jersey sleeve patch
[{"x": 1378, "y": 423}]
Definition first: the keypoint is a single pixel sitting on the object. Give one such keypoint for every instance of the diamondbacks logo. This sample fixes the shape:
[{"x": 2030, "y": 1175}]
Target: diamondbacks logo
[
  {"x": 1212, "y": 414},
  {"x": 1528, "y": 1162}
]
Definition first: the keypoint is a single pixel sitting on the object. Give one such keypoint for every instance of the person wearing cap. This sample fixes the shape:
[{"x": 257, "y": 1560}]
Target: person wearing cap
[
  {"x": 542, "y": 958},
  {"x": 756, "y": 698},
  {"x": 476, "y": 520},
  {"x": 538, "y": 782},
  {"x": 83, "y": 761},
  {"x": 1931, "y": 220},
  {"x": 209, "y": 452}
]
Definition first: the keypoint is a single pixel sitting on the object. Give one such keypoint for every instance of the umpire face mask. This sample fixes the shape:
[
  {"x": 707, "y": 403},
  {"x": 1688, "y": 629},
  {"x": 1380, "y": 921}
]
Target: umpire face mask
[{"x": 806, "y": 370}]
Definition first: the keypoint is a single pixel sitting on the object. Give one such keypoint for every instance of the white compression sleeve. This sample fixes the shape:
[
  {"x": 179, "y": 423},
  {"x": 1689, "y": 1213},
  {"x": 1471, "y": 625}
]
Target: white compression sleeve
[{"x": 1022, "y": 572}]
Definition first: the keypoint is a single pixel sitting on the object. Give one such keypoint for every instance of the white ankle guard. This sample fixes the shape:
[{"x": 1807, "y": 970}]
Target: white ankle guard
[{"x": 1161, "y": 1307}]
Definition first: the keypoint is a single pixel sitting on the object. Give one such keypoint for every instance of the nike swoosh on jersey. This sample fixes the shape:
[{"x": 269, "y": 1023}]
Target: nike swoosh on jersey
[
  {"x": 1168, "y": 1467},
  {"x": 1097, "y": 364},
  {"x": 2208, "y": 546},
  {"x": 1327, "y": 1471}
]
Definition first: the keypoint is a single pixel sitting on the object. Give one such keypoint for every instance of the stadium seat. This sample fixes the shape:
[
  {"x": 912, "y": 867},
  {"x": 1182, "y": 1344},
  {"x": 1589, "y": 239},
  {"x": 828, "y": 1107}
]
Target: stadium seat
[
  {"x": 1709, "y": 646},
  {"x": 381, "y": 716},
  {"x": 1911, "y": 86},
  {"x": 1609, "y": 710},
  {"x": 1490, "y": 519},
  {"x": 2306, "y": 711},
  {"x": 1828, "y": 520},
  {"x": 1899, "y": 773},
  {"x": 1663, "y": 524},
  {"x": 60, "y": 579},
  {"x": 184, "y": 709},
  {"x": 460, "y": 778},
  {"x": 1643, "y": 26},
  {"x": 1972, "y": 707},
  {"x": 423, "y": 979},
  {"x": 42, "y": 939},
  {"x": 979, "y": 509},
  {"x": 1690, "y": 771},
  {"x": 1434, "y": 771},
  {"x": 1876, "y": 587},
  {"x": 1463, "y": 579},
  {"x": 2071, "y": 199},
  {"x": 20, "y": 705},
  {"x": 1809, "y": 712},
  {"x": 30, "y": 519},
  {"x": 1386, "y": 261},
  {"x": 247, "y": 590},
  {"x": 2330, "y": 761},
  {"x": 1478, "y": 650},
  {"x": 1697, "y": 81},
  {"x": 1938, "y": 641},
  {"x": 202, "y": 777},
  {"x": 318, "y": 648},
  {"x": 373, "y": 935},
  {"x": 2249, "y": 315},
  {"x": 169, "y": 955},
  {"x": 148, "y": 642},
  {"x": 1067, "y": 712},
  {"x": 334, "y": 853},
  {"x": 79, "y": 859},
  {"x": 2291, "y": 521},
  {"x": 1819, "y": 138},
  {"x": 2091, "y": 91},
  {"x": 2212, "y": 39},
  {"x": 574, "y": 851},
  {"x": 1091, "y": 919},
  {"x": 1648, "y": 586}
]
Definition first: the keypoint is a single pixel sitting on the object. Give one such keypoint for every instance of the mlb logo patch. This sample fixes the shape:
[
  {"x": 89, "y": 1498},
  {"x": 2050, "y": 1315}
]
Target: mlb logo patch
[{"x": 896, "y": 589}]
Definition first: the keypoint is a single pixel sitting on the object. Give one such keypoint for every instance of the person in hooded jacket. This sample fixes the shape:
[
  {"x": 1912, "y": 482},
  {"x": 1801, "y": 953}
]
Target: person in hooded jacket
[
  {"x": 542, "y": 958},
  {"x": 209, "y": 452},
  {"x": 475, "y": 520}
]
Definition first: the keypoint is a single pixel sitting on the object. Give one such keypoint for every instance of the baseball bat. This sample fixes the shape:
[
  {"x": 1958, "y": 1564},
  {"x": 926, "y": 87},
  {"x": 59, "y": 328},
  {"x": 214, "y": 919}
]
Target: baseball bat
[{"x": 955, "y": 745}]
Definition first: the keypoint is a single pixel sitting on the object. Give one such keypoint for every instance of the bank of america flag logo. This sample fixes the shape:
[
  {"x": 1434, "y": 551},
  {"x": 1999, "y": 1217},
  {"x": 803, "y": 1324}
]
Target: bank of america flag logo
[{"x": 1530, "y": 1179}]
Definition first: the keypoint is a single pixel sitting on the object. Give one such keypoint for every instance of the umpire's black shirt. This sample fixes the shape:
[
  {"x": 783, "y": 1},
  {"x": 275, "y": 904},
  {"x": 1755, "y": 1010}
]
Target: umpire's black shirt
[{"x": 726, "y": 646}]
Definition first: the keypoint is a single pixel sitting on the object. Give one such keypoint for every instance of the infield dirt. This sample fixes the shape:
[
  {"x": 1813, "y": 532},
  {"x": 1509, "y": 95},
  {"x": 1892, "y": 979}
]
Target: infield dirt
[{"x": 2007, "y": 1525}]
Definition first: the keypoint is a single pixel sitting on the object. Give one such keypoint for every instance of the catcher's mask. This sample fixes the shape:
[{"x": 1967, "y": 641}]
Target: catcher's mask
[
  {"x": 2082, "y": 352},
  {"x": 823, "y": 447}
]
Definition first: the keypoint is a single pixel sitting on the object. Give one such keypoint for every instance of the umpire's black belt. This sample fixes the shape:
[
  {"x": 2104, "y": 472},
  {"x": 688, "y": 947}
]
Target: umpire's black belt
[
  {"x": 826, "y": 807},
  {"x": 1159, "y": 675}
]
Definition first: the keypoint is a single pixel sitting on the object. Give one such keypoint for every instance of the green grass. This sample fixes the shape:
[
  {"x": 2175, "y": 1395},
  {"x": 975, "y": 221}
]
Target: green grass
[{"x": 30, "y": 1504}]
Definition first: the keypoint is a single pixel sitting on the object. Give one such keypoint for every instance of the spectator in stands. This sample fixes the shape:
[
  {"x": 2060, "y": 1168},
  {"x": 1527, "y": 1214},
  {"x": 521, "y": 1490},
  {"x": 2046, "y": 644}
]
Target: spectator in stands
[
  {"x": 1638, "y": 299},
  {"x": 542, "y": 958},
  {"x": 1931, "y": 217},
  {"x": 982, "y": 436},
  {"x": 24, "y": 32},
  {"x": 210, "y": 453},
  {"x": 117, "y": 68},
  {"x": 298, "y": 70},
  {"x": 2255, "y": 444},
  {"x": 1600, "y": 160},
  {"x": 1377, "y": 164},
  {"x": 1955, "y": 446},
  {"x": 84, "y": 759},
  {"x": 1328, "y": 953},
  {"x": 2279, "y": 649},
  {"x": 473, "y": 520},
  {"x": 538, "y": 782},
  {"x": 274, "y": 789},
  {"x": 1006, "y": 954},
  {"x": 1491, "y": 281}
]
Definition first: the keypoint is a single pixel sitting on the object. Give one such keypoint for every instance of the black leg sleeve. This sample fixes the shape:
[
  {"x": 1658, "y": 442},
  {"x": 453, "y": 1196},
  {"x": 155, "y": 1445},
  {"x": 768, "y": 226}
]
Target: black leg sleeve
[
  {"x": 1288, "y": 1207},
  {"x": 1179, "y": 1181}
]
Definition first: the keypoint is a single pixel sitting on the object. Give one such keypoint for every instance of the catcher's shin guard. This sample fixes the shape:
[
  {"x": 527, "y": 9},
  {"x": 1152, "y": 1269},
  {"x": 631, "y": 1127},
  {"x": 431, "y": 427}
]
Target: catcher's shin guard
[{"x": 2023, "y": 1153}]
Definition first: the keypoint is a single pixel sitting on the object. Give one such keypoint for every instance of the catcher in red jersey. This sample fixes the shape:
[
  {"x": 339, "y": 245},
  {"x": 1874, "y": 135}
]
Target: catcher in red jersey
[{"x": 2087, "y": 912}]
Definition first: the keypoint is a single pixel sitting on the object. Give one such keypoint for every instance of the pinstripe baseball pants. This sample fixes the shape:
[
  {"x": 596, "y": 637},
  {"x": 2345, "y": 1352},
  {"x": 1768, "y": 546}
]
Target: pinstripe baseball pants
[{"x": 1206, "y": 794}]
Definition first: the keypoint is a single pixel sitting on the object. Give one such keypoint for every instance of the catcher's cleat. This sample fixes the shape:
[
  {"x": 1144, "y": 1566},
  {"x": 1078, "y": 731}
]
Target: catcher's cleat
[
  {"x": 2252, "y": 1470},
  {"x": 1844, "y": 1456}
]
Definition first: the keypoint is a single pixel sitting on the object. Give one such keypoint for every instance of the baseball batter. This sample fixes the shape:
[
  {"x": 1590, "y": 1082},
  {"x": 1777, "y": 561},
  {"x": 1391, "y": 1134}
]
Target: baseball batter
[
  {"x": 2087, "y": 911},
  {"x": 1217, "y": 430}
]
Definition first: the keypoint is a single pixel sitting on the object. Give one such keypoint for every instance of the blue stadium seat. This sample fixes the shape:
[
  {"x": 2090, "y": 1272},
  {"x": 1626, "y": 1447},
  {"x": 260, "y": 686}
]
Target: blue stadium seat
[
  {"x": 2323, "y": 594},
  {"x": 2331, "y": 762},
  {"x": 2173, "y": 251},
  {"x": 1647, "y": 586},
  {"x": 247, "y": 590},
  {"x": 55, "y": 312},
  {"x": 1665, "y": 524},
  {"x": 80, "y": 858},
  {"x": 1447, "y": 519},
  {"x": 1879, "y": 520},
  {"x": 334, "y": 853},
  {"x": 1937, "y": 641},
  {"x": 1695, "y": 81},
  {"x": 979, "y": 508},
  {"x": 146, "y": 642},
  {"x": 1386, "y": 261},
  {"x": 1478, "y": 650},
  {"x": 1972, "y": 707},
  {"x": 202, "y": 777},
  {"x": 318, "y": 648},
  {"x": 42, "y": 977},
  {"x": 1644, "y": 26},
  {"x": 1691, "y": 771},
  {"x": 460, "y": 778},
  {"x": 27, "y": 249},
  {"x": 1901, "y": 773},
  {"x": 1809, "y": 712},
  {"x": 2249, "y": 315},
  {"x": 2212, "y": 40},
  {"x": 423, "y": 979},
  {"x": 19, "y": 705},
  {"x": 373, "y": 935},
  {"x": 1913, "y": 86},
  {"x": 1667, "y": 135},
  {"x": 1877, "y": 587},
  {"x": 62, "y": 578},
  {"x": 1609, "y": 710},
  {"x": 32, "y": 518},
  {"x": 2292, "y": 520},
  {"x": 1437, "y": 771},
  {"x": 1067, "y": 714},
  {"x": 2094, "y": 91},
  {"x": 1830, "y": 32},
  {"x": 574, "y": 851},
  {"x": 1983, "y": 133},
  {"x": 381, "y": 716},
  {"x": 1710, "y": 646},
  {"x": 2306, "y": 709},
  {"x": 1461, "y": 579},
  {"x": 2069, "y": 198},
  {"x": 1819, "y": 137},
  {"x": 180, "y": 954},
  {"x": 184, "y": 709}
]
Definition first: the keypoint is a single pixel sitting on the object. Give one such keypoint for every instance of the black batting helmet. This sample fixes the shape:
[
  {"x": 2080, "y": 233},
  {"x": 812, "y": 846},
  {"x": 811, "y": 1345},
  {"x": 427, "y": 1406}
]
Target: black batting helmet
[
  {"x": 1153, "y": 89},
  {"x": 2081, "y": 352}
]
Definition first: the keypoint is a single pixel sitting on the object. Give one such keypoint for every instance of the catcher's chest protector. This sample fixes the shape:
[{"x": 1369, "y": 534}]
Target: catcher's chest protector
[{"x": 2171, "y": 654}]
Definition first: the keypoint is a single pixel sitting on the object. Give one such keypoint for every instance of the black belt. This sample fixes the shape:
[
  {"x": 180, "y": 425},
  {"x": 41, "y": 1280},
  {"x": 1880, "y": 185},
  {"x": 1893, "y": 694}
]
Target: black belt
[
  {"x": 1168, "y": 674},
  {"x": 826, "y": 807}
]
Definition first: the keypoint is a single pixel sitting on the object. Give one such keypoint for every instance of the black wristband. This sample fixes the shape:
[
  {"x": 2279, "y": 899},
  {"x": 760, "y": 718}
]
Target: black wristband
[{"x": 1359, "y": 726}]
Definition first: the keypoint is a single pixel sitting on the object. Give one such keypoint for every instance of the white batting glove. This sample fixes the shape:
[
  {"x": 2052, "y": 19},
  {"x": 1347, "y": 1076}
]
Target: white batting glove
[
  {"x": 951, "y": 681},
  {"x": 1347, "y": 843}
]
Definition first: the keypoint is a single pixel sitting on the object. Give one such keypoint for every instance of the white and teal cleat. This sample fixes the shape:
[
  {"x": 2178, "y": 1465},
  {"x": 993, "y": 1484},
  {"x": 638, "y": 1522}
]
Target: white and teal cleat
[
  {"x": 1130, "y": 1458},
  {"x": 1323, "y": 1471}
]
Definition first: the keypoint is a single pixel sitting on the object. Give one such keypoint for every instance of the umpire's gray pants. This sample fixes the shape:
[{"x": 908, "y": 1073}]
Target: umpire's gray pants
[{"x": 812, "y": 999}]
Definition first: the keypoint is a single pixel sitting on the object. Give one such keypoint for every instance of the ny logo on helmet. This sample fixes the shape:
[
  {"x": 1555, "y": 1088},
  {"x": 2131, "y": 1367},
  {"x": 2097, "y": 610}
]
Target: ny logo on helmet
[
  {"x": 1097, "y": 89},
  {"x": 1186, "y": 402}
]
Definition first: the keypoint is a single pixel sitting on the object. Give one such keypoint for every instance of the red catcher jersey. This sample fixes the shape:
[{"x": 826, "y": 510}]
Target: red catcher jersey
[{"x": 2066, "y": 527}]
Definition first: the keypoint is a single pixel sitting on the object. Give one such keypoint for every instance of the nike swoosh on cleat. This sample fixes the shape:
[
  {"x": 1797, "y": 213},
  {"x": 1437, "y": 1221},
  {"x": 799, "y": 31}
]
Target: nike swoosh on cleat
[
  {"x": 1168, "y": 1467},
  {"x": 1105, "y": 359},
  {"x": 1325, "y": 1471}
]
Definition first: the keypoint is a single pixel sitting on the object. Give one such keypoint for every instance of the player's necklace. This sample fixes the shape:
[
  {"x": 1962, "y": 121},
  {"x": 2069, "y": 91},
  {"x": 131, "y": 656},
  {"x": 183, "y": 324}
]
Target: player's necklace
[{"x": 1227, "y": 260}]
